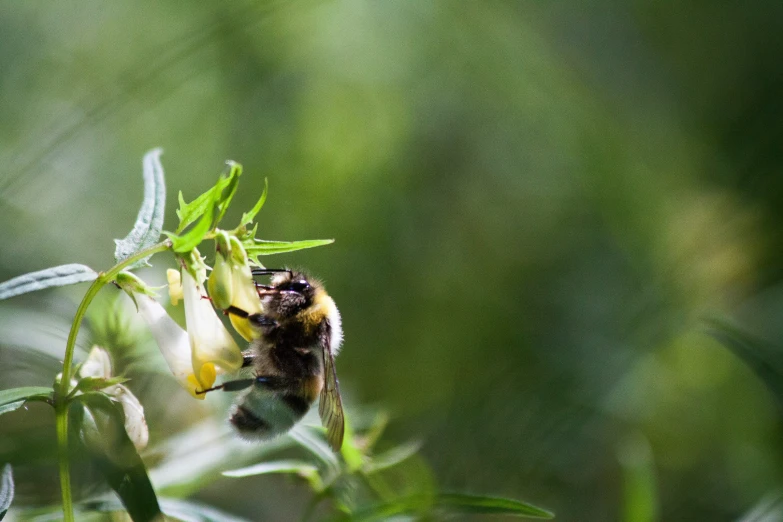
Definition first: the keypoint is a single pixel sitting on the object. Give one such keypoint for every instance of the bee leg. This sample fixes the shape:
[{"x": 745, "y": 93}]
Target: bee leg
[
  {"x": 241, "y": 384},
  {"x": 269, "y": 271}
]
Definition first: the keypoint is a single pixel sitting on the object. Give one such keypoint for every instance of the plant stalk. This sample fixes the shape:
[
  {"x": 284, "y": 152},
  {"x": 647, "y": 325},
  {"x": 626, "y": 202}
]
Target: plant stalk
[{"x": 61, "y": 392}]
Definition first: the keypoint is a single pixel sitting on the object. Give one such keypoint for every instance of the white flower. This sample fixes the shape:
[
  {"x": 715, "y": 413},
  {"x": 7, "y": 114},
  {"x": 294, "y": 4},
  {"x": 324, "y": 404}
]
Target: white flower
[
  {"x": 173, "y": 343},
  {"x": 98, "y": 365},
  {"x": 212, "y": 347}
]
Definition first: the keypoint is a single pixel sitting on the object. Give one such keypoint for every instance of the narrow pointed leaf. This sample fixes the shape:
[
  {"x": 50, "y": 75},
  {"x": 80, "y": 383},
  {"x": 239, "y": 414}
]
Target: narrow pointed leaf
[
  {"x": 97, "y": 383},
  {"x": 189, "y": 212},
  {"x": 6, "y": 490},
  {"x": 278, "y": 466},
  {"x": 190, "y": 239},
  {"x": 149, "y": 222},
  {"x": 449, "y": 504},
  {"x": 392, "y": 457},
  {"x": 247, "y": 217},
  {"x": 763, "y": 357},
  {"x": 315, "y": 445},
  {"x": 259, "y": 247},
  {"x": 103, "y": 432},
  {"x": 302, "y": 469},
  {"x": 231, "y": 189},
  {"x": 178, "y": 509},
  {"x": 62, "y": 275},
  {"x": 463, "y": 503},
  {"x": 15, "y": 398}
]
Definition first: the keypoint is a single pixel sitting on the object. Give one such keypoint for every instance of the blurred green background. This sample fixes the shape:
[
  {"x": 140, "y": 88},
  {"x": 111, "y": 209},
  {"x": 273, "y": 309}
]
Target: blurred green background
[{"x": 535, "y": 208}]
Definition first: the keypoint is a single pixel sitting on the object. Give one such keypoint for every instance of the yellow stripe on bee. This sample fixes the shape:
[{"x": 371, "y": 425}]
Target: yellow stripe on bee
[
  {"x": 311, "y": 387},
  {"x": 322, "y": 307}
]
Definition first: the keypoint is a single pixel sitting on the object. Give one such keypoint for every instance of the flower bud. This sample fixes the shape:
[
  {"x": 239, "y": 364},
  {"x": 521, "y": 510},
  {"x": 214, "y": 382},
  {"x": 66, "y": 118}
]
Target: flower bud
[
  {"x": 175, "y": 286},
  {"x": 219, "y": 284}
]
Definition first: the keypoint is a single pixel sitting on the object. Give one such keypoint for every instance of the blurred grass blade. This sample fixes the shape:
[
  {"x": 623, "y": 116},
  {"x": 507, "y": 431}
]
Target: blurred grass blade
[
  {"x": 149, "y": 221},
  {"x": 450, "y": 504},
  {"x": 768, "y": 509},
  {"x": 764, "y": 358},
  {"x": 304, "y": 470},
  {"x": 247, "y": 217},
  {"x": 191, "y": 511},
  {"x": 464, "y": 503},
  {"x": 177, "y": 509},
  {"x": 392, "y": 457},
  {"x": 351, "y": 453},
  {"x": 640, "y": 491},
  {"x": 104, "y": 436},
  {"x": 259, "y": 247},
  {"x": 6, "y": 490},
  {"x": 14, "y": 398},
  {"x": 317, "y": 446},
  {"x": 62, "y": 275},
  {"x": 196, "y": 457},
  {"x": 278, "y": 466}
]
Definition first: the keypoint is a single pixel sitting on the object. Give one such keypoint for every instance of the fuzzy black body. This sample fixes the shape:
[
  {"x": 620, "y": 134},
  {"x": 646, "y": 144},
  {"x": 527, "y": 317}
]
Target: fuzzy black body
[{"x": 296, "y": 327}]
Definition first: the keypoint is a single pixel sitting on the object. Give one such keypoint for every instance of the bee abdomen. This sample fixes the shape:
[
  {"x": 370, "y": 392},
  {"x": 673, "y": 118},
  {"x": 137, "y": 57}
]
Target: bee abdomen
[
  {"x": 299, "y": 405},
  {"x": 246, "y": 421},
  {"x": 264, "y": 415}
]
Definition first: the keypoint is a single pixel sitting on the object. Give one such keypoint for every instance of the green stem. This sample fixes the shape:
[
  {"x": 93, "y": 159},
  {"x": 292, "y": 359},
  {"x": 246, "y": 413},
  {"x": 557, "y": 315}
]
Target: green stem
[
  {"x": 61, "y": 395},
  {"x": 65, "y": 473}
]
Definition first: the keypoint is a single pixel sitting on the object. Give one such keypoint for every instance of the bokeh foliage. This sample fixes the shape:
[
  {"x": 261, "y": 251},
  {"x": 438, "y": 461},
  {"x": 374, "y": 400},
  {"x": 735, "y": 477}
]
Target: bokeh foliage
[{"x": 535, "y": 206}]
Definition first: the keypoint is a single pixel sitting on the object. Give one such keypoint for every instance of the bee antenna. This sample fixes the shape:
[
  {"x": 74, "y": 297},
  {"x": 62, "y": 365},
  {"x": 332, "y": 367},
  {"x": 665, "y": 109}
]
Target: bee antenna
[{"x": 269, "y": 271}]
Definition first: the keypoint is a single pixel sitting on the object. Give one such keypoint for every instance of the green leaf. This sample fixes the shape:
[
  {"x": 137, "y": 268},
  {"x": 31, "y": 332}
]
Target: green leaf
[
  {"x": 764, "y": 358},
  {"x": 464, "y": 503},
  {"x": 233, "y": 176},
  {"x": 176, "y": 508},
  {"x": 88, "y": 384},
  {"x": 193, "y": 237},
  {"x": 392, "y": 457},
  {"x": 278, "y": 466},
  {"x": 260, "y": 247},
  {"x": 62, "y": 275},
  {"x": 768, "y": 509},
  {"x": 14, "y": 398},
  {"x": 351, "y": 453},
  {"x": 194, "y": 458},
  {"x": 449, "y": 503},
  {"x": 6, "y": 490},
  {"x": 149, "y": 222},
  {"x": 247, "y": 217},
  {"x": 318, "y": 447},
  {"x": 302, "y": 469},
  {"x": 640, "y": 491},
  {"x": 190, "y": 212},
  {"x": 104, "y": 436}
]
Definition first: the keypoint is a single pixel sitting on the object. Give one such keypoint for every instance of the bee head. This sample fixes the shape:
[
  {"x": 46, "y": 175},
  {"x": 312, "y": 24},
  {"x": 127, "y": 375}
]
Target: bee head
[{"x": 292, "y": 292}]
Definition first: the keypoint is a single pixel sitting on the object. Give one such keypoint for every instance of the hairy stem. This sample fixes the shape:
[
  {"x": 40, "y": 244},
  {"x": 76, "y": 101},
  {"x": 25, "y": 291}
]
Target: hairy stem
[{"x": 61, "y": 395}]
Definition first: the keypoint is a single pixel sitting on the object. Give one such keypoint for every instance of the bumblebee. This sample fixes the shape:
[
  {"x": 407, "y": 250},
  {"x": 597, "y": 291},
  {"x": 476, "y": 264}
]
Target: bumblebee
[{"x": 300, "y": 333}]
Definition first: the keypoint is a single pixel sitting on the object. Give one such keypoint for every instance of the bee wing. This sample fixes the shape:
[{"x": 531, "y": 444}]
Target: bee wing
[{"x": 330, "y": 405}]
